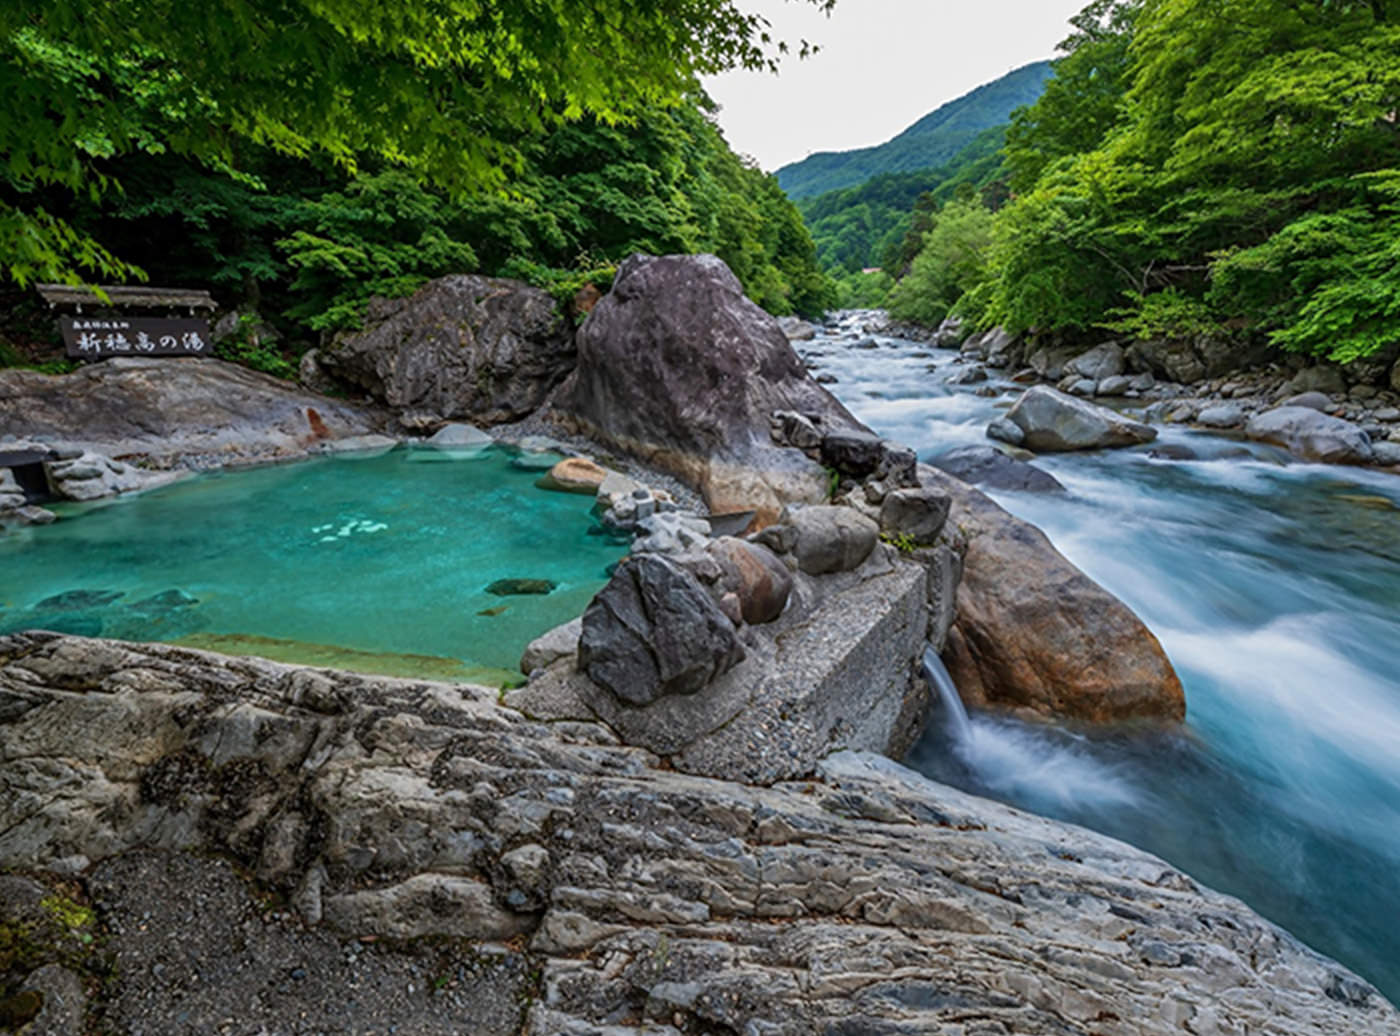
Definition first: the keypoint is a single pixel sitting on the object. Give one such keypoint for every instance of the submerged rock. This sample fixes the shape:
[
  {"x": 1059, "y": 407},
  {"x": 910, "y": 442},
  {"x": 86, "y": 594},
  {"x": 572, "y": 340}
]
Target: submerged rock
[
  {"x": 990, "y": 467},
  {"x": 677, "y": 367},
  {"x": 575, "y": 475},
  {"x": 1053, "y": 421},
  {"x": 521, "y": 587},
  {"x": 79, "y": 600}
]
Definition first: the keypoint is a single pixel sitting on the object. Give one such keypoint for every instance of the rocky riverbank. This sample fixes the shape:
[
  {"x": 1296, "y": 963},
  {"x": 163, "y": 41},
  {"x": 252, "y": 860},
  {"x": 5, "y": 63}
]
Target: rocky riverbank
[
  {"x": 1318, "y": 411},
  {"x": 298, "y": 850}
]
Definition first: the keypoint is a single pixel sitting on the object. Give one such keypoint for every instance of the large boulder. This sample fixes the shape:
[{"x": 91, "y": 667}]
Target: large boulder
[
  {"x": 1033, "y": 632},
  {"x": 655, "y": 631},
  {"x": 482, "y": 349},
  {"x": 1100, "y": 362},
  {"x": 677, "y": 367},
  {"x": 1322, "y": 377},
  {"x": 1311, "y": 435},
  {"x": 1053, "y": 421},
  {"x": 170, "y": 411},
  {"x": 990, "y": 467}
]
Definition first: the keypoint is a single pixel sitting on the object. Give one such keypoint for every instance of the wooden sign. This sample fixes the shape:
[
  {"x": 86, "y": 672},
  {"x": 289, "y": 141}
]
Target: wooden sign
[{"x": 96, "y": 338}]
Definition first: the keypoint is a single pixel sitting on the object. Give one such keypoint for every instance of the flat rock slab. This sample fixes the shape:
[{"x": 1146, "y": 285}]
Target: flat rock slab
[
  {"x": 867, "y": 900},
  {"x": 195, "y": 410}
]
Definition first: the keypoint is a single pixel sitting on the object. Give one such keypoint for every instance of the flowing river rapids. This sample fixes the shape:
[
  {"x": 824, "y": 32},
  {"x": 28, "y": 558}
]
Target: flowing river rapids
[{"x": 1274, "y": 587}]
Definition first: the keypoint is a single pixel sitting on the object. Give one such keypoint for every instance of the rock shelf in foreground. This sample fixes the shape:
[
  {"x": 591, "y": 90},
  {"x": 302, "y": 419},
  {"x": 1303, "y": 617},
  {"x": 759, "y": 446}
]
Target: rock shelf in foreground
[{"x": 551, "y": 864}]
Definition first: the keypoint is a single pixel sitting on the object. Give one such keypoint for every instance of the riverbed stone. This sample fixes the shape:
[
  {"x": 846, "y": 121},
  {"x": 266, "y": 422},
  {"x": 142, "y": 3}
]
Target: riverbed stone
[
  {"x": 1312, "y": 435},
  {"x": 1386, "y": 453},
  {"x": 654, "y": 631},
  {"x": 830, "y": 538},
  {"x": 1034, "y": 632},
  {"x": 990, "y": 467},
  {"x": 1100, "y": 362},
  {"x": 1312, "y": 400},
  {"x": 1115, "y": 385},
  {"x": 1324, "y": 378},
  {"x": 1224, "y": 415},
  {"x": 1005, "y": 430},
  {"x": 852, "y": 452},
  {"x": 1053, "y": 421}
]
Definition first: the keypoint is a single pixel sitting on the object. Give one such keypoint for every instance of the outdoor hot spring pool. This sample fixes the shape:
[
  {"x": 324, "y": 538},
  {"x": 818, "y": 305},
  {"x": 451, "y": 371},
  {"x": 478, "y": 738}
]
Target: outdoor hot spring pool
[{"x": 379, "y": 564}]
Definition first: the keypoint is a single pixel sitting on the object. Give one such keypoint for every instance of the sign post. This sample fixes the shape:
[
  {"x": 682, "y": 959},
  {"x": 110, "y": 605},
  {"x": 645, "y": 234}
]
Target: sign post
[{"x": 95, "y": 338}]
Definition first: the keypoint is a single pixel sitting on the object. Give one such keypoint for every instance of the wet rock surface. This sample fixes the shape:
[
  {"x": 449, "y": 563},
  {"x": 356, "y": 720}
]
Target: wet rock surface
[
  {"x": 1034, "y": 632},
  {"x": 867, "y": 900},
  {"x": 1052, "y": 421}
]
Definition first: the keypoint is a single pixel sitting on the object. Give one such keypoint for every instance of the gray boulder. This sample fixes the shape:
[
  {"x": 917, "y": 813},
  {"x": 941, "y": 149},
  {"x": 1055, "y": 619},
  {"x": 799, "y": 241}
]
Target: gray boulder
[
  {"x": 1053, "y": 421},
  {"x": 1323, "y": 378},
  {"x": 1224, "y": 415},
  {"x": 1311, "y": 400},
  {"x": 852, "y": 452},
  {"x": 1312, "y": 435},
  {"x": 472, "y": 348},
  {"x": 829, "y": 538},
  {"x": 1002, "y": 349},
  {"x": 1100, "y": 362},
  {"x": 990, "y": 467},
  {"x": 1006, "y": 431},
  {"x": 459, "y": 436},
  {"x": 678, "y": 367},
  {"x": 917, "y": 513},
  {"x": 654, "y": 631},
  {"x": 1113, "y": 386},
  {"x": 1387, "y": 454},
  {"x": 1049, "y": 361},
  {"x": 550, "y": 647}
]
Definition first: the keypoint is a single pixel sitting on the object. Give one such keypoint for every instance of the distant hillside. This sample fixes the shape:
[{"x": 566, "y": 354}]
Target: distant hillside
[
  {"x": 857, "y": 227},
  {"x": 931, "y": 142}
]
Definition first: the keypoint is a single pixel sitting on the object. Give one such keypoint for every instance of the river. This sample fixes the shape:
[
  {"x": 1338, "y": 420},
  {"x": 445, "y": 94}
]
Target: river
[{"x": 1274, "y": 587}]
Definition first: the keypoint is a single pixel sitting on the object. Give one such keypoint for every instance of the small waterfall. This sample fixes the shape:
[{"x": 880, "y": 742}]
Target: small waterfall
[{"x": 955, "y": 714}]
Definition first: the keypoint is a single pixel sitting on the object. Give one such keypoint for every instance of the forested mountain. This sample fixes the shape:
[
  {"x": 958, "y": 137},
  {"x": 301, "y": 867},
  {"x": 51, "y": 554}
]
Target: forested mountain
[
  {"x": 931, "y": 142},
  {"x": 1198, "y": 169}
]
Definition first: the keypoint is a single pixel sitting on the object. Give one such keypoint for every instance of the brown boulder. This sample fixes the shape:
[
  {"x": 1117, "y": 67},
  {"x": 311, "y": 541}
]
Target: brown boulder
[
  {"x": 574, "y": 475},
  {"x": 1034, "y": 632},
  {"x": 678, "y": 368},
  {"x": 755, "y": 575}
]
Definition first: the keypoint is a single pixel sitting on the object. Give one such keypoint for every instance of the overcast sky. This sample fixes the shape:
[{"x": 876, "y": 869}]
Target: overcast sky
[{"x": 883, "y": 64}]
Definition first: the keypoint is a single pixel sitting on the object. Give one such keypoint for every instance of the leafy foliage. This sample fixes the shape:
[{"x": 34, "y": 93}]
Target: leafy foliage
[
  {"x": 1209, "y": 167},
  {"x": 454, "y": 93},
  {"x": 953, "y": 263}
]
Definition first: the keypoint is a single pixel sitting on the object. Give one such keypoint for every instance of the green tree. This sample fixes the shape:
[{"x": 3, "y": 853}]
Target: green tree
[
  {"x": 445, "y": 91},
  {"x": 953, "y": 263}
]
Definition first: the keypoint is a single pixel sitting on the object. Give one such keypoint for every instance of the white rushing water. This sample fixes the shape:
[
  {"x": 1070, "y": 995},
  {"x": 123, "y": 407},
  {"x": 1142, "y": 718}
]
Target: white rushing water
[{"x": 1274, "y": 587}]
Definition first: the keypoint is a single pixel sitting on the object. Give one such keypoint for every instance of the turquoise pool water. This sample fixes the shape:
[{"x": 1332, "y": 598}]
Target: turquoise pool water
[{"x": 380, "y": 563}]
